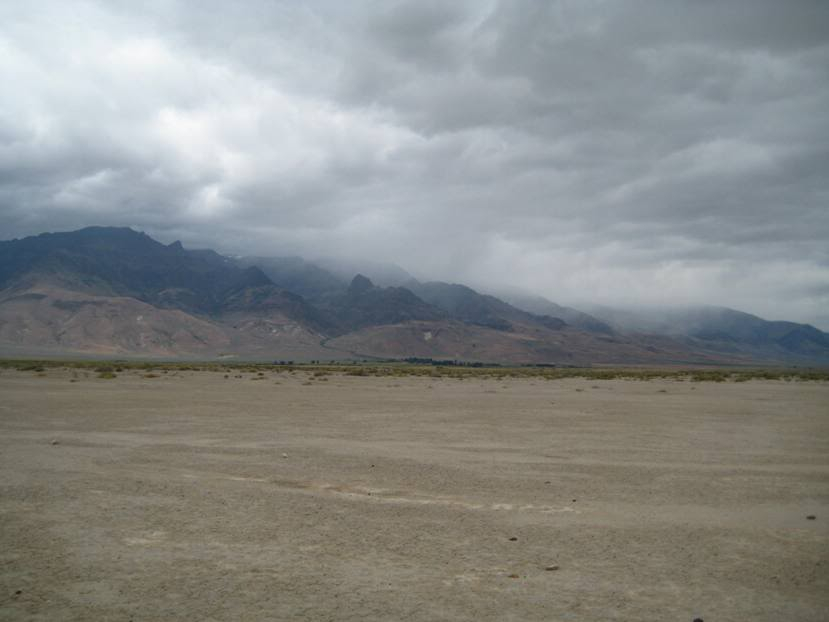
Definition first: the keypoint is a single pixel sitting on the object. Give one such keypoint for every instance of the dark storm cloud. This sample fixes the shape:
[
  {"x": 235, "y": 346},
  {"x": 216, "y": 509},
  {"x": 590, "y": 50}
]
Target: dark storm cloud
[{"x": 637, "y": 152}]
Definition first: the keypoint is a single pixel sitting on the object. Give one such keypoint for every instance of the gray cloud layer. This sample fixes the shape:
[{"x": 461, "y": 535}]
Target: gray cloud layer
[{"x": 620, "y": 153}]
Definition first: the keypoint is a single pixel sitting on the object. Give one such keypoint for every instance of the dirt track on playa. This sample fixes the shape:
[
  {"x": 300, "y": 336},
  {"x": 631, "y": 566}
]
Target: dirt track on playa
[{"x": 196, "y": 497}]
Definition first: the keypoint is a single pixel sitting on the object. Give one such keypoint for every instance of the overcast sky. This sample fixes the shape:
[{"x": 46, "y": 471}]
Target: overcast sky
[{"x": 625, "y": 153}]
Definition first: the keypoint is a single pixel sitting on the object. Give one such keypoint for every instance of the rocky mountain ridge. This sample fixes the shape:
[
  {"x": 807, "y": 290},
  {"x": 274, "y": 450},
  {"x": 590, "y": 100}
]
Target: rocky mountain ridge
[{"x": 114, "y": 291}]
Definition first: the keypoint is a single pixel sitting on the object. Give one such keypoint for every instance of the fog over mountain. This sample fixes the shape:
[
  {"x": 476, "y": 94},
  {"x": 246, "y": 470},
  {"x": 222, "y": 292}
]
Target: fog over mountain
[{"x": 638, "y": 153}]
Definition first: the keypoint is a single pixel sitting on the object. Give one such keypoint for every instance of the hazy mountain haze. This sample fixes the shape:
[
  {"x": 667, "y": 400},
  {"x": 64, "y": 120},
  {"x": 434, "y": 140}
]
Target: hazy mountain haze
[{"x": 636, "y": 153}]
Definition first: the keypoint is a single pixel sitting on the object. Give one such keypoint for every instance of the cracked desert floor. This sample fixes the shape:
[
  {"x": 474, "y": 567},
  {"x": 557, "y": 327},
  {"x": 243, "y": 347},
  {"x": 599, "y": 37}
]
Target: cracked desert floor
[{"x": 192, "y": 496}]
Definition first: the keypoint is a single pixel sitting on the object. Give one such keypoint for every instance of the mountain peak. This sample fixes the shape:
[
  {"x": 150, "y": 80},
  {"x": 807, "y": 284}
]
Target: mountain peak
[{"x": 360, "y": 284}]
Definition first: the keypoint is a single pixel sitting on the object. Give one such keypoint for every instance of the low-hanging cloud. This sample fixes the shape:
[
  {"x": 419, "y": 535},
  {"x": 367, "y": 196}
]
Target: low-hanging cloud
[{"x": 618, "y": 153}]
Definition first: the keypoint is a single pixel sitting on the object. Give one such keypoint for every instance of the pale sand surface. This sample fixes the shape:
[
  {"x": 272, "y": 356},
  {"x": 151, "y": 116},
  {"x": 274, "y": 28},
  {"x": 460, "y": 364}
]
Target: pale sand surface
[{"x": 170, "y": 499}]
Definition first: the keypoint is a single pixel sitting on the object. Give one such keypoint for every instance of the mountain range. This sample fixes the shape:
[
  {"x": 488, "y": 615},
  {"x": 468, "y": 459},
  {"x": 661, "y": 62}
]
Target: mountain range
[{"x": 105, "y": 291}]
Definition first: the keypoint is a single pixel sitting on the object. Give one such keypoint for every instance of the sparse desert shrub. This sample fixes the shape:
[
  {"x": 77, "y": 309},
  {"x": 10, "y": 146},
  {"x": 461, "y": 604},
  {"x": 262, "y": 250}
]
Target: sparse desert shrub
[
  {"x": 709, "y": 376},
  {"x": 107, "y": 375},
  {"x": 436, "y": 370},
  {"x": 152, "y": 376}
]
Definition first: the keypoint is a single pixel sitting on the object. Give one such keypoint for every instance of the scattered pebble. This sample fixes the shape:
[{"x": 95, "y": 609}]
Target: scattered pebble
[
  {"x": 551, "y": 568},
  {"x": 698, "y": 620},
  {"x": 513, "y": 539},
  {"x": 55, "y": 441},
  {"x": 811, "y": 517},
  {"x": 284, "y": 455},
  {"x": 548, "y": 482},
  {"x": 18, "y": 592},
  {"x": 513, "y": 576},
  {"x": 574, "y": 500}
]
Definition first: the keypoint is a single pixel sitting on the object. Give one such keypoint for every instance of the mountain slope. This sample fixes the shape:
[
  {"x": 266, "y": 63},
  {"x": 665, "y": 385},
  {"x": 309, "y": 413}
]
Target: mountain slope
[
  {"x": 108, "y": 261},
  {"x": 720, "y": 329},
  {"x": 465, "y": 304},
  {"x": 314, "y": 283},
  {"x": 454, "y": 340},
  {"x": 364, "y": 304},
  {"x": 114, "y": 291},
  {"x": 108, "y": 290},
  {"x": 45, "y": 321},
  {"x": 120, "y": 261},
  {"x": 57, "y": 321},
  {"x": 575, "y": 318}
]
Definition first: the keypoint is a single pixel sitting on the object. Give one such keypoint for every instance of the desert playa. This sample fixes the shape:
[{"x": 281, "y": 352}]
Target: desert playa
[{"x": 270, "y": 495}]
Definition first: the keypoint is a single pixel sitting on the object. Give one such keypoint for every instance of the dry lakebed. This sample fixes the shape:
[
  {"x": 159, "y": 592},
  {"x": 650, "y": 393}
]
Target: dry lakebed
[{"x": 197, "y": 495}]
